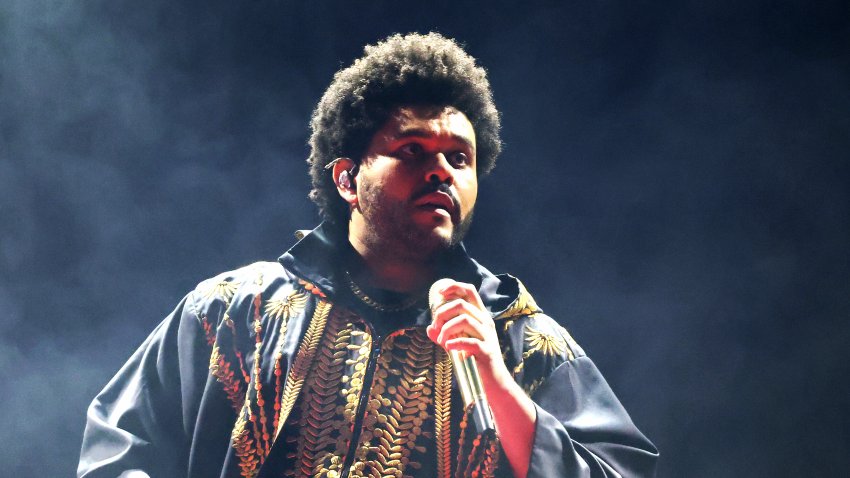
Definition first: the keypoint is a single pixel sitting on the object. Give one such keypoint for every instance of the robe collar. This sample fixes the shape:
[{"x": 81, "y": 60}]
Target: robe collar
[{"x": 319, "y": 253}]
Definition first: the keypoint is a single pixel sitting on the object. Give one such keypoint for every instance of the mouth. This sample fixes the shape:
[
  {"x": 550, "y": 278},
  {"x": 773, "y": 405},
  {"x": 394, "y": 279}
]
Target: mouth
[{"x": 438, "y": 202}]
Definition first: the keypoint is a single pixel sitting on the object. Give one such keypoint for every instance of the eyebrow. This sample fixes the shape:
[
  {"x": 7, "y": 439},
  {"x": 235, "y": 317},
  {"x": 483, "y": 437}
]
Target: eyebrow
[{"x": 426, "y": 134}]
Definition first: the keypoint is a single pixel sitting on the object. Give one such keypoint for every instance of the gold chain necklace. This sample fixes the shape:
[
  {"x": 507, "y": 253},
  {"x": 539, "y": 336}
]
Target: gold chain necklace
[{"x": 380, "y": 307}]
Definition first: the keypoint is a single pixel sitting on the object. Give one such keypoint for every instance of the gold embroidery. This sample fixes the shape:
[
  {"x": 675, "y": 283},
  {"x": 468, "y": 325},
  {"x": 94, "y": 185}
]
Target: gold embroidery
[
  {"x": 261, "y": 429},
  {"x": 239, "y": 359},
  {"x": 223, "y": 290},
  {"x": 220, "y": 369},
  {"x": 546, "y": 343},
  {"x": 532, "y": 387},
  {"x": 285, "y": 308},
  {"x": 442, "y": 412},
  {"x": 303, "y": 359},
  {"x": 252, "y": 450},
  {"x": 244, "y": 446},
  {"x": 278, "y": 389},
  {"x": 504, "y": 340},
  {"x": 491, "y": 459},
  {"x": 483, "y": 455},
  {"x": 542, "y": 342},
  {"x": 398, "y": 407},
  {"x": 252, "y": 443},
  {"x": 312, "y": 288},
  {"x": 521, "y": 365},
  {"x": 508, "y": 324},
  {"x": 361, "y": 346},
  {"x": 461, "y": 459},
  {"x": 209, "y": 333},
  {"x": 524, "y": 304},
  {"x": 321, "y": 435}
]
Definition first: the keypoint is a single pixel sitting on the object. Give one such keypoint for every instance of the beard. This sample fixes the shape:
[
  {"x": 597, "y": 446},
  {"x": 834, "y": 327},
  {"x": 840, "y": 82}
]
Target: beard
[{"x": 393, "y": 230}]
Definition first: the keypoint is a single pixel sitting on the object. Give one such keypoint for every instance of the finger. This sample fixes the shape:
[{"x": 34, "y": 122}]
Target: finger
[
  {"x": 452, "y": 309},
  {"x": 433, "y": 332},
  {"x": 464, "y": 291},
  {"x": 461, "y": 326},
  {"x": 481, "y": 320},
  {"x": 452, "y": 289},
  {"x": 468, "y": 345}
]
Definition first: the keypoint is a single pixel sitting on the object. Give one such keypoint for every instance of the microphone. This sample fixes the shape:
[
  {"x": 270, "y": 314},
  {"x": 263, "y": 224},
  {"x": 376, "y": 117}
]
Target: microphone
[{"x": 466, "y": 372}]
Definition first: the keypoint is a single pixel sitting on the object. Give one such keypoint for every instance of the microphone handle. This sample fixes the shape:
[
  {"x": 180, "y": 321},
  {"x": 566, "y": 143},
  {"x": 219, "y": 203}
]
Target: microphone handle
[{"x": 471, "y": 391}]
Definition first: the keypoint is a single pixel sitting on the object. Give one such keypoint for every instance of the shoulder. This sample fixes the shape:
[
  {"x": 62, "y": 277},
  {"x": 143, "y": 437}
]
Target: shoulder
[
  {"x": 543, "y": 333},
  {"x": 538, "y": 329},
  {"x": 223, "y": 294},
  {"x": 533, "y": 343},
  {"x": 226, "y": 283}
]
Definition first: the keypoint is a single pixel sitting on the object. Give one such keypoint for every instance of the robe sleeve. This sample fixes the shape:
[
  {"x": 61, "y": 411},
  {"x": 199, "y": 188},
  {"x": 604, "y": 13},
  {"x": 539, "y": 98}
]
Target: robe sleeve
[
  {"x": 582, "y": 430},
  {"x": 139, "y": 425}
]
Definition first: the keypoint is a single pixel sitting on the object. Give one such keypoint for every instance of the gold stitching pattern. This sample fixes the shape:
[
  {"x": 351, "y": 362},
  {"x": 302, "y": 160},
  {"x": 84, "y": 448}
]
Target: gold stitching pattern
[
  {"x": 541, "y": 342},
  {"x": 252, "y": 450},
  {"x": 312, "y": 288},
  {"x": 244, "y": 446},
  {"x": 442, "y": 412},
  {"x": 239, "y": 359},
  {"x": 285, "y": 308},
  {"x": 483, "y": 455},
  {"x": 209, "y": 333},
  {"x": 220, "y": 369},
  {"x": 464, "y": 424},
  {"x": 397, "y": 408},
  {"x": 303, "y": 359},
  {"x": 524, "y": 304},
  {"x": 320, "y": 433},
  {"x": 249, "y": 438},
  {"x": 219, "y": 366},
  {"x": 490, "y": 460},
  {"x": 521, "y": 365},
  {"x": 361, "y": 345},
  {"x": 223, "y": 290},
  {"x": 548, "y": 344},
  {"x": 532, "y": 387},
  {"x": 504, "y": 339},
  {"x": 261, "y": 429}
]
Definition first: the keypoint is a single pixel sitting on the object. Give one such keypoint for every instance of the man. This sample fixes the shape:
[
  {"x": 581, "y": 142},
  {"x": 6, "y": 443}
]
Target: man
[{"x": 330, "y": 362}]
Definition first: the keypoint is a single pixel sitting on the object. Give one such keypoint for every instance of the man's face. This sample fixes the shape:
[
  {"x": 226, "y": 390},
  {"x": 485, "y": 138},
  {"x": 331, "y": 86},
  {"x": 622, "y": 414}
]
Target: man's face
[{"x": 417, "y": 182}]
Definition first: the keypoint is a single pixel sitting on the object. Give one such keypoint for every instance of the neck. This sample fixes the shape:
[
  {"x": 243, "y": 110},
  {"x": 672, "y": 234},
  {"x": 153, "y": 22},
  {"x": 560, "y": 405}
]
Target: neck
[{"x": 379, "y": 268}]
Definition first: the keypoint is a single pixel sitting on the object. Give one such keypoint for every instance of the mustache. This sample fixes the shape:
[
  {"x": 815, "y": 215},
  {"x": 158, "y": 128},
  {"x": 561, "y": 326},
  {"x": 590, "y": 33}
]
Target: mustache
[{"x": 434, "y": 187}]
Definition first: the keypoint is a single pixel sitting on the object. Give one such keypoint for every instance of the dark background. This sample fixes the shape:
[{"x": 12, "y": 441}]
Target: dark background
[{"x": 674, "y": 190}]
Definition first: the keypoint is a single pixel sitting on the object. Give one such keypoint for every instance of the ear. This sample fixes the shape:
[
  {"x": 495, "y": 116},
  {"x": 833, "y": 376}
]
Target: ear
[{"x": 348, "y": 193}]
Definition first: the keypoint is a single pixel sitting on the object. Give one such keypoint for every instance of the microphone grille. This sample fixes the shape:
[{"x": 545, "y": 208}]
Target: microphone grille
[{"x": 434, "y": 298}]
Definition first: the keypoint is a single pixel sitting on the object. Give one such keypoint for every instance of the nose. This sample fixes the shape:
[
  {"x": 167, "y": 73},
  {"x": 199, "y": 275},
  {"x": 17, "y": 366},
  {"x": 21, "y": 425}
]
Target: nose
[{"x": 439, "y": 170}]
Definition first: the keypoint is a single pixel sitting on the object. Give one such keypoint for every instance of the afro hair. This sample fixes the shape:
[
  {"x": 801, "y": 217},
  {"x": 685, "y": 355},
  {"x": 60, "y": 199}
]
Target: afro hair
[{"x": 413, "y": 69}]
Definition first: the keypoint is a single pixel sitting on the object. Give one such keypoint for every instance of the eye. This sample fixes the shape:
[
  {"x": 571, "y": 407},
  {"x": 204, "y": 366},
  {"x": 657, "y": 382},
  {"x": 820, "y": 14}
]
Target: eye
[
  {"x": 411, "y": 150},
  {"x": 458, "y": 158}
]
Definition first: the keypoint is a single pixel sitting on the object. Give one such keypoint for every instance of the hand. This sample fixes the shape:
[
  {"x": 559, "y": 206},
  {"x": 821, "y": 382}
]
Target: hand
[{"x": 462, "y": 323}]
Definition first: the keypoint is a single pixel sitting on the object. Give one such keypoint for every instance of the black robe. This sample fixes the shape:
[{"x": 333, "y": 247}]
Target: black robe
[{"x": 275, "y": 369}]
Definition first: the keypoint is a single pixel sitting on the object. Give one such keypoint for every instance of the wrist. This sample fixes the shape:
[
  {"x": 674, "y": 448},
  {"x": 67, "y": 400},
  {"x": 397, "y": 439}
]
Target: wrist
[{"x": 496, "y": 378}]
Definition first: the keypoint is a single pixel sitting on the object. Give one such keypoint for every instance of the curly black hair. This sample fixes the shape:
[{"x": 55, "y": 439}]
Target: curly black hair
[{"x": 401, "y": 70}]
